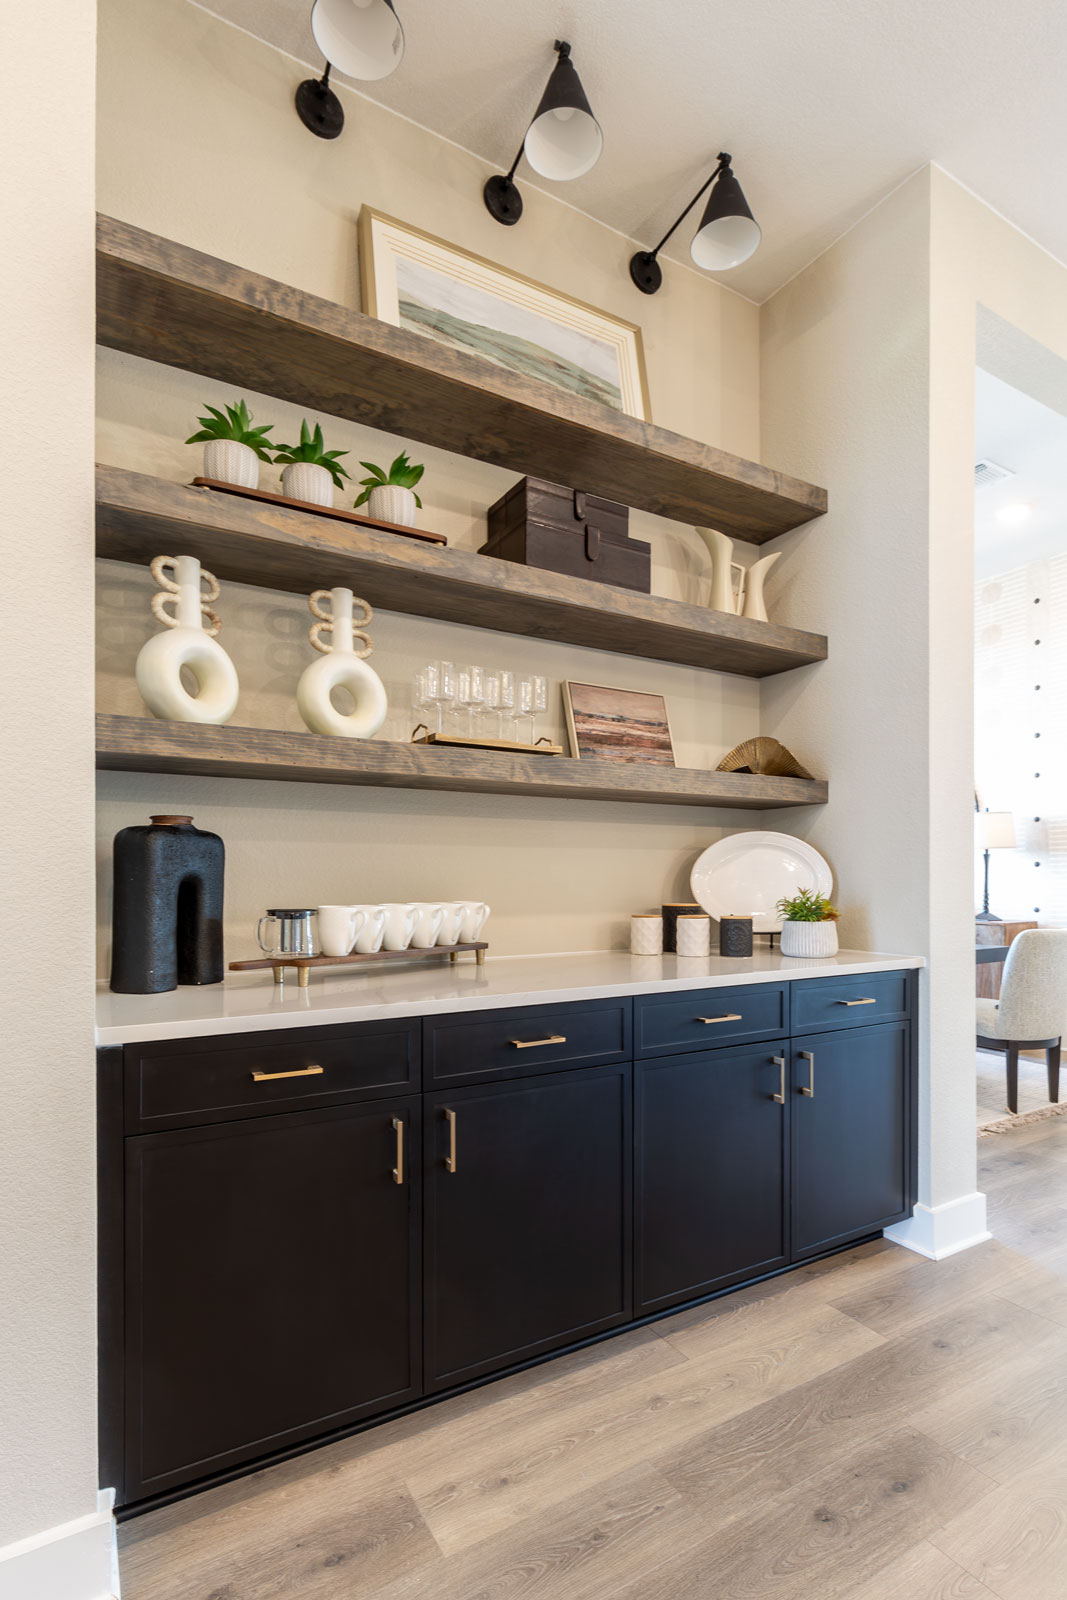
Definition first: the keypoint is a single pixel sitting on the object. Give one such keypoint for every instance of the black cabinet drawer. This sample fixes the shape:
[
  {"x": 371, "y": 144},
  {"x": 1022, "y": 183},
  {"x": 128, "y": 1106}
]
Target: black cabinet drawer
[
  {"x": 473, "y": 1047},
  {"x": 819, "y": 1004},
  {"x": 181, "y": 1082},
  {"x": 703, "y": 1019}
]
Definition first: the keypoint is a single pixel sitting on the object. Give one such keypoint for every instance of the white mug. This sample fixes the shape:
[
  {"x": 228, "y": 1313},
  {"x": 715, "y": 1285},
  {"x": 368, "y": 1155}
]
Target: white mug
[
  {"x": 370, "y": 936},
  {"x": 475, "y": 917},
  {"x": 428, "y": 926},
  {"x": 451, "y": 921},
  {"x": 400, "y": 920},
  {"x": 339, "y": 927}
]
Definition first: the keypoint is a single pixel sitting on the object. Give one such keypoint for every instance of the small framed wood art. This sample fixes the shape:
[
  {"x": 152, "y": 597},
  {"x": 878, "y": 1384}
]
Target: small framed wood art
[
  {"x": 412, "y": 280},
  {"x": 621, "y": 725}
]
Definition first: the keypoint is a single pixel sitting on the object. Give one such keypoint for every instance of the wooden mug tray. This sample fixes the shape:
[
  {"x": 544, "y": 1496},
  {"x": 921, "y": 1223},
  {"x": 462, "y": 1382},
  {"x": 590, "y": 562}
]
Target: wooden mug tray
[
  {"x": 304, "y": 964},
  {"x": 321, "y": 511}
]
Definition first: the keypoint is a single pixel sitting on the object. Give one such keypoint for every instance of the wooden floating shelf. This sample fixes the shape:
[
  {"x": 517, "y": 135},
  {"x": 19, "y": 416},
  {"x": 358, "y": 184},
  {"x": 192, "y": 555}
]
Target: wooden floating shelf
[
  {"x": 247, "y": 541},
  {"x": 171, "y": 304},
  {"x": 142, "y": 744}
]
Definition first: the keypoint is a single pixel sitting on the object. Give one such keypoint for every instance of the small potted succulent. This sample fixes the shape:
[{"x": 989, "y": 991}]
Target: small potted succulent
[
  {"x": 310, "y": 471},
  {"x": 233, "y": 449},
  {"x": 392, "y": 494},
  {"x": 809, "y": 926}
]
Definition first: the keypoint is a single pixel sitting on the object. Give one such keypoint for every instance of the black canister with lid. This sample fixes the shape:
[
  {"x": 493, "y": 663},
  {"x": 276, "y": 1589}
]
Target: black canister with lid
[
  {"x": 166, "y": 920},
  {"x": 671, "y": 913},
  {"x": 735, "y": 936}
]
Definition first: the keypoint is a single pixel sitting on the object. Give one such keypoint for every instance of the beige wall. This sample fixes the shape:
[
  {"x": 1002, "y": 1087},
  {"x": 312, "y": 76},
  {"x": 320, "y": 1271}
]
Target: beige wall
[
  {"x": 559, "y": 875},
  {"x": 47, "y": 1183},
  {"x": 868, "y": 386}
]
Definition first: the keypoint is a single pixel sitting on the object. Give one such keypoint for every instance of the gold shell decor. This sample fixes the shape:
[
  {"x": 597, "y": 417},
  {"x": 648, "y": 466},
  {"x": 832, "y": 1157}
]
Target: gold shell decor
[{"x": 764, "y": 756}]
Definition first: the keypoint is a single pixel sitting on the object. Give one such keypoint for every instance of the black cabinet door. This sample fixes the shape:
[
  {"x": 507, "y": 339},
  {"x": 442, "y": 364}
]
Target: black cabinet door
[
  {"x": 272, "y": 1284},
  {"x": 709, "y": 1172},
  {"x": 528, "y": 1238},
  {"x": 850, "y": 1112}
]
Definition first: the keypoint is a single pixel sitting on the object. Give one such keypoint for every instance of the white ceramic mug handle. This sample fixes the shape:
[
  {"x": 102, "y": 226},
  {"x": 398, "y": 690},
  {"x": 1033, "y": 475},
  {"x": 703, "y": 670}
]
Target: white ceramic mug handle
[
  {"x": 359, "y": 922},
  {"x": 412, "y": 916}
]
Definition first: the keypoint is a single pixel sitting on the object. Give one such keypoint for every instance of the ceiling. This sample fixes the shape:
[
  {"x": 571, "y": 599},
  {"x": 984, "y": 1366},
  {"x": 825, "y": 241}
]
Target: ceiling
[
  {"x": 1027, "y": 437},
  {"x": 826, "y": 105}
]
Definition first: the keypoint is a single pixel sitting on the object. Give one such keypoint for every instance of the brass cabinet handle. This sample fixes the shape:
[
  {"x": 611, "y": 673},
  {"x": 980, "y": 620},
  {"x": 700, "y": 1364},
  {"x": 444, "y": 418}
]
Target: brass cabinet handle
[
  {"x": 450, "y": 1159},
  {"x": 731, "y": 1016},
  {"x": 870, "y": 1002},
  {"x": 809, "y": 1057},
  {"x": 779, "y": 1062},
  {"x": 298, "y": 1072},
  {"x": 398, "y": 1170},
  {"x": 528, "y": 1044}
]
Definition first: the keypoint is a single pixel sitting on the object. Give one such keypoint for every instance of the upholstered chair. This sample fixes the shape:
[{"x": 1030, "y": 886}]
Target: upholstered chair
[{"x": 1032, "y": 1008}]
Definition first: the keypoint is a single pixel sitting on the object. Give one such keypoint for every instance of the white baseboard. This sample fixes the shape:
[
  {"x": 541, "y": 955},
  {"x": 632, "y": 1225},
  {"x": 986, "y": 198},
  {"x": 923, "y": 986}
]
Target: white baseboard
[
  {"x": 76, "y": 1561},
  {"x": 940, "y": 1231}
]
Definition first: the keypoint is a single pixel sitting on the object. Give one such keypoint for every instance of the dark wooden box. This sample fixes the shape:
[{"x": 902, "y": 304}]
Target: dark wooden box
[{"x": 539, "y": 524}]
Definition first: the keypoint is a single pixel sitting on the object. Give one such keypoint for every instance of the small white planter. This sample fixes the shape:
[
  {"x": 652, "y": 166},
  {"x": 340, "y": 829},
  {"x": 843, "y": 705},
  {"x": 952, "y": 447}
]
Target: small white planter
[
  {"x": 229, "y": 462},
  {"x": 390, "y": 504},
  {"x": 302, "y": 480},
  {"x": 809, "y": 938}
]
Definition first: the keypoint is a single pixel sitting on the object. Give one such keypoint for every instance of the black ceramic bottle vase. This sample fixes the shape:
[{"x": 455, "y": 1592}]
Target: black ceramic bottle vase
[{"x": 166, "y": 924}]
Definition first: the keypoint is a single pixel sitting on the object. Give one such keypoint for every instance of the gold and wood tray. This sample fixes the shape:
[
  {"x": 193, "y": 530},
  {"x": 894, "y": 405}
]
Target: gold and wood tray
[
  {"x": 303, "y": 964},
  {"x": 425, "y": 534},
  {"x": 459, "y": 741}
]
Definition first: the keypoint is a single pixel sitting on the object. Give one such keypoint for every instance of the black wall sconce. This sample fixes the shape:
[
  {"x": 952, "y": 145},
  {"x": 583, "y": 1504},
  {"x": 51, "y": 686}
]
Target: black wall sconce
[
  {"x": 563, "y": 141},
  {"x": 361, "y": 38},
  {"x": 728, "y": 232}
]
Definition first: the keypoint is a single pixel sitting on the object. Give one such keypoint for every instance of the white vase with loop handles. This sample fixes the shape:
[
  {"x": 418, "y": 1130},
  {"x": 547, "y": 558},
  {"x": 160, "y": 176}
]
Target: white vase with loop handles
[
  {"x": 341, "y": 665},
  {"x": 186, "y": 643},
  {"x": 748, "y": 601}
]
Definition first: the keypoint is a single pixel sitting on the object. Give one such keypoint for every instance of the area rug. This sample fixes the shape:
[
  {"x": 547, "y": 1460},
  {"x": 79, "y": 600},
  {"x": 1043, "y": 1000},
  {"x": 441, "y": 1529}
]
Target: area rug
[{"x": 1006, "y": 1124}]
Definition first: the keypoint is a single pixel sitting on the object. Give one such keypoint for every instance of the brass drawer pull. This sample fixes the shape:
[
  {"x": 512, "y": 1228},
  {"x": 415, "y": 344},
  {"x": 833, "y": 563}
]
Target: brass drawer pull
[
  {"x": 870, "y": 1002},
  {"x": 398, "y": 1170},
  {"x": 731, "y": 1016},
  {"x": 298, "y": 1072},
  {"x": 809, "y": 1057},
  {"x": 450, "y": 1159},
  {"x": 779, "y": 1098},
  {"x": 529, "y": 1044}
]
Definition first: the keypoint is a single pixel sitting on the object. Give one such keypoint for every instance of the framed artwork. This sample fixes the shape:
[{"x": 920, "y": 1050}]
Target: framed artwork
[
  {"x": 617, "y": 725},
  {"x": 412, "y": 280}
]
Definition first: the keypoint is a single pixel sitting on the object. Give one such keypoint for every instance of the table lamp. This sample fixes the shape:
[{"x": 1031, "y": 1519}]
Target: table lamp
[{"x": 995, "y": 830}]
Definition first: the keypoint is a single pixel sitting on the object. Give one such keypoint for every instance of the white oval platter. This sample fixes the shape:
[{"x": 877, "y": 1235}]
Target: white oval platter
[{"x": 746, "y": 874}]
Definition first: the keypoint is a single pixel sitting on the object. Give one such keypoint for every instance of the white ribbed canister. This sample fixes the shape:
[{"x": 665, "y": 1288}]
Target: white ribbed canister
[{"x": 809, "y": 938}]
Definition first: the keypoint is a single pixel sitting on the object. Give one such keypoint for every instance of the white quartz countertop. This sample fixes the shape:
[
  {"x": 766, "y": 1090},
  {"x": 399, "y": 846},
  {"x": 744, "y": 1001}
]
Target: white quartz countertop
[{"x": 250, "y": 1002}]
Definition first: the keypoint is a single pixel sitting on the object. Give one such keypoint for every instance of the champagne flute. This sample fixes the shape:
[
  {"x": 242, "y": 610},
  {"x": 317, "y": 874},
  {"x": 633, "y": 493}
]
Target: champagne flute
[
  {"x": 444, "y": 674},
  {"x": 507, "y": 706},
  {"x": 491, "y": 707},
  {"x": 526, "y": 705},
  {"x": 539, "y": 687}
]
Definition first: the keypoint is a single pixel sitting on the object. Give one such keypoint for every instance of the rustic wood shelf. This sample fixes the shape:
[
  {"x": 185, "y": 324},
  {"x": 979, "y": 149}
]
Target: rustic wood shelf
[
  {"x": 142, "y": 744},
  {"x": 168, "y": 303},
  {"x": 246, "y": 541}
]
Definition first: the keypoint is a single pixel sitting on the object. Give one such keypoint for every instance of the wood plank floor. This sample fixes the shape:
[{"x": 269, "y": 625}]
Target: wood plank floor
[{"x": 874, "y": 1427}]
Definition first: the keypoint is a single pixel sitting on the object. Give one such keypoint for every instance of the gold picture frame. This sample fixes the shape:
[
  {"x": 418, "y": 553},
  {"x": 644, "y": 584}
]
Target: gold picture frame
[
  {"x": 628, "y": 726},
  {"x": 413, "y": 280}
]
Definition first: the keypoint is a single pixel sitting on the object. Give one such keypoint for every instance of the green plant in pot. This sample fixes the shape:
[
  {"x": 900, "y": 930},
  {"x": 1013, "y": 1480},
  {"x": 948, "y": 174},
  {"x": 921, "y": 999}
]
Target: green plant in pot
[
  {"x": 233, "y": 449},
  {"x": 310, "y": 471},
  {"x": 391, "y": 495},
  {"x": 809, "y": 925}
]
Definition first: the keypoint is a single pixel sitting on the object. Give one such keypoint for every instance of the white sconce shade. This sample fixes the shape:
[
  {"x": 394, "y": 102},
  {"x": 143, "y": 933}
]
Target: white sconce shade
[
  {"x": 361, "y": 38},
  {"x": 564, "y": 139},
  {"x": 728, "y": 232}
]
